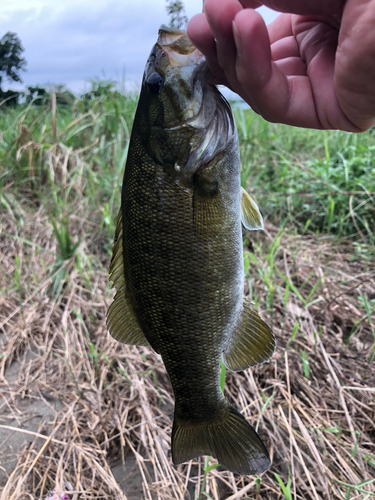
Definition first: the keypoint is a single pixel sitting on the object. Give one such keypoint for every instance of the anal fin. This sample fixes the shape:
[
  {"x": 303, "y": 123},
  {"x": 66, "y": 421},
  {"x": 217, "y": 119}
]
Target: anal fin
[
  {"x": 252, "y": 342},
  {"x": 121, "y": 321}
]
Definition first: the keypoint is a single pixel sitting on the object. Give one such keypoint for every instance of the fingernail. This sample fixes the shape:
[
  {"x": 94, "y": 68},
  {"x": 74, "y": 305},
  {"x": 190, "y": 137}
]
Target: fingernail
[{"x": 237, "y": 39}]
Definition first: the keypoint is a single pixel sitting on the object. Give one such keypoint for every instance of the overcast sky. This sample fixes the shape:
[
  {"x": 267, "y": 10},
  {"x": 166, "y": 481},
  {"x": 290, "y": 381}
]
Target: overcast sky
[{"x": 74, "y": 41}]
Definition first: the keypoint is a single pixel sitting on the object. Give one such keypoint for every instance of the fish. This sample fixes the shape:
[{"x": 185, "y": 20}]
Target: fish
[{"x": 177, "y": 262}]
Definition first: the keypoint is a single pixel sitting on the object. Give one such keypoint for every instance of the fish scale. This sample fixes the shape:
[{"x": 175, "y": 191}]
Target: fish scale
[{"x": 177, "y": 261}]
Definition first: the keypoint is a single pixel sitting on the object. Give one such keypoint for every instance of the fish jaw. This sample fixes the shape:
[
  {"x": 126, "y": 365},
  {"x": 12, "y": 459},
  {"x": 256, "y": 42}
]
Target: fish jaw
[
  {"x": 179, "y": 49},
  {"x": 183, "y": 73},
  {"x": 173, "y": 53}
]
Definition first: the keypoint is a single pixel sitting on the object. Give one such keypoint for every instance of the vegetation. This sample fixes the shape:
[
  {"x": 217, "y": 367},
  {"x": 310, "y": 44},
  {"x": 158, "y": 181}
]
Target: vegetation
[
  {"x": 176, "y": 11},
  {"x": 11, "y": 63},
  {"x": 322, "y": 181},
  {"x": 310, "y": 273}
]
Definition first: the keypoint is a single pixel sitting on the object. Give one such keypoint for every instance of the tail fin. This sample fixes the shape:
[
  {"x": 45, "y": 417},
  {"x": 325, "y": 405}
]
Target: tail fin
[{"x": 232, "y": 441}]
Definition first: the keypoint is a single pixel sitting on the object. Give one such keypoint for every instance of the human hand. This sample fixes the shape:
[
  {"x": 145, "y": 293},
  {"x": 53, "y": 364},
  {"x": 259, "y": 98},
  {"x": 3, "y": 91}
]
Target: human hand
[{"x": 313, "y": 67}]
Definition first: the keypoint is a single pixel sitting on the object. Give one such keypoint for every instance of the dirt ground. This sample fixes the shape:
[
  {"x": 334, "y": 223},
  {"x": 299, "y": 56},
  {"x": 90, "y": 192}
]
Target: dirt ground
[{"x": 86, "y": 417}]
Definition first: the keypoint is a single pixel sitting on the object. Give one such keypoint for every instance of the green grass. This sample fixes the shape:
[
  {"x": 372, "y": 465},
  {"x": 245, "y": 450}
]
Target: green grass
[
  {"x": 86, "y": 160},
  {"x": 319, "y": 180},
  {"x": 285, "y": 488},
  {"x": 305, "y": 182}
]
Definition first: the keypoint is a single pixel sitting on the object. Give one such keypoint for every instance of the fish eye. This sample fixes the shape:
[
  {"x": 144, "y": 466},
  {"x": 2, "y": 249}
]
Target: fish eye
[{"x": 155, "y": 83}]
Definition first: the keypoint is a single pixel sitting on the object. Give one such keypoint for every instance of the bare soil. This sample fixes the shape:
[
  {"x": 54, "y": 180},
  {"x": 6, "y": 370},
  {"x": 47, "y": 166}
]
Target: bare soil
[{"x": 86, "y": 417}]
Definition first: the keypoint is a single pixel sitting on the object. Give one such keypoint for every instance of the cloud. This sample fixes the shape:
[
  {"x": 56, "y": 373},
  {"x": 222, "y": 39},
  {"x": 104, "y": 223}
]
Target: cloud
[
  {"x": 80, "y": 40},
  {"x": 74, "y": 41}
]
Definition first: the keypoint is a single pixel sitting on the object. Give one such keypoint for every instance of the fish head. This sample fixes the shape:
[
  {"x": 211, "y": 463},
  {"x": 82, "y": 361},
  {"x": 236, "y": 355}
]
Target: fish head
[
  {"x": 174, "y": 79},
  {"x": 184, "y": 121}
]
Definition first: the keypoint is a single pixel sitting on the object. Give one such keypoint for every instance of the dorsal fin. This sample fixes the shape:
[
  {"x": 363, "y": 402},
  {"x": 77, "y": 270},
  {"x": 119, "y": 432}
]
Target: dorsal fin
[
  {"x": 121, "y": 321},
  {"x": 250, "y": 214}
]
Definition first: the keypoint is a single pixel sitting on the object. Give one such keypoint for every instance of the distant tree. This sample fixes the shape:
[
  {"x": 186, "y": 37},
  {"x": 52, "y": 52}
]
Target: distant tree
[
  {"x": 41, "y": 96},
  {"x": 36, "y": 94},
  {"x": 11, "y": 63},
  {"x": 63, "y": 95},
  {"x": 101, "y": 90},
  {"x": 176, "y": 9},
  {"x": 101, "y": 94}
]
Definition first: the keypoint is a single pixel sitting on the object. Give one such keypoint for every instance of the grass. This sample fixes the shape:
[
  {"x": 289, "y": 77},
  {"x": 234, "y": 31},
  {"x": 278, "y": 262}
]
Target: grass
[
  {"x": 322, "y": 181},
  {"x": 310, "y": 273}
]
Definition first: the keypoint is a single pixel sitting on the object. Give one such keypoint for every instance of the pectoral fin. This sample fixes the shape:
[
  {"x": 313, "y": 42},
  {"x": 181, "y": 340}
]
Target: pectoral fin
[
  {"x": 252, "y": 343},
  {"x": 121, "y": 321},
  {"x": 250, "y": 215}
]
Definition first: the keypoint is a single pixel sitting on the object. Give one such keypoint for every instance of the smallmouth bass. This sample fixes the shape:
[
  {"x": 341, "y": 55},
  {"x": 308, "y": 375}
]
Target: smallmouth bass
[{"x": 177, "y": 259}]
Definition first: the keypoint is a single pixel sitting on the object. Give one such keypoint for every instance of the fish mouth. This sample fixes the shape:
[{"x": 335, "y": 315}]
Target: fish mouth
[
  {"x": 175, "y": 40},
  {"x": 177, "y": 46}
]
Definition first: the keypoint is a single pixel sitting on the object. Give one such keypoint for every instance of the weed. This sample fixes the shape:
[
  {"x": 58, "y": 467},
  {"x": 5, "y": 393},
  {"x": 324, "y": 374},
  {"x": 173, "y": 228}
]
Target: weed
[
  {"x": 296, "y": 175},
  {"x": 285, "y": 488},
  {"x": 305, "y": 364},
  {"x": 310, "y": 274},
  {"x": 206, "y": 469},
  {"x": 223, "y": 371}
]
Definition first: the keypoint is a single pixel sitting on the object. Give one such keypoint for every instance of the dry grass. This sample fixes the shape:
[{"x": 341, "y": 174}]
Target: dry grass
[{"x": 313, "y": 403}]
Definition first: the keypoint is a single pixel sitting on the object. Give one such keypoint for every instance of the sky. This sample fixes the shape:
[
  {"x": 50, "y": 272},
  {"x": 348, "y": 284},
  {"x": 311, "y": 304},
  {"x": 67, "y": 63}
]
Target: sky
[{"x": 74, "y": 41}]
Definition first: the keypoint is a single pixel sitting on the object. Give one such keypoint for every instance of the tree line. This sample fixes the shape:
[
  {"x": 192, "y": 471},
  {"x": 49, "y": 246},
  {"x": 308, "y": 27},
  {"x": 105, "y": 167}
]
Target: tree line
[{"x": 12, "y": 63}]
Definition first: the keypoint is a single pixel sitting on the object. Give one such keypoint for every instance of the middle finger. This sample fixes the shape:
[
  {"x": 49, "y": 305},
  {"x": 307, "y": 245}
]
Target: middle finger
[{"x": 220, "y": 16}]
